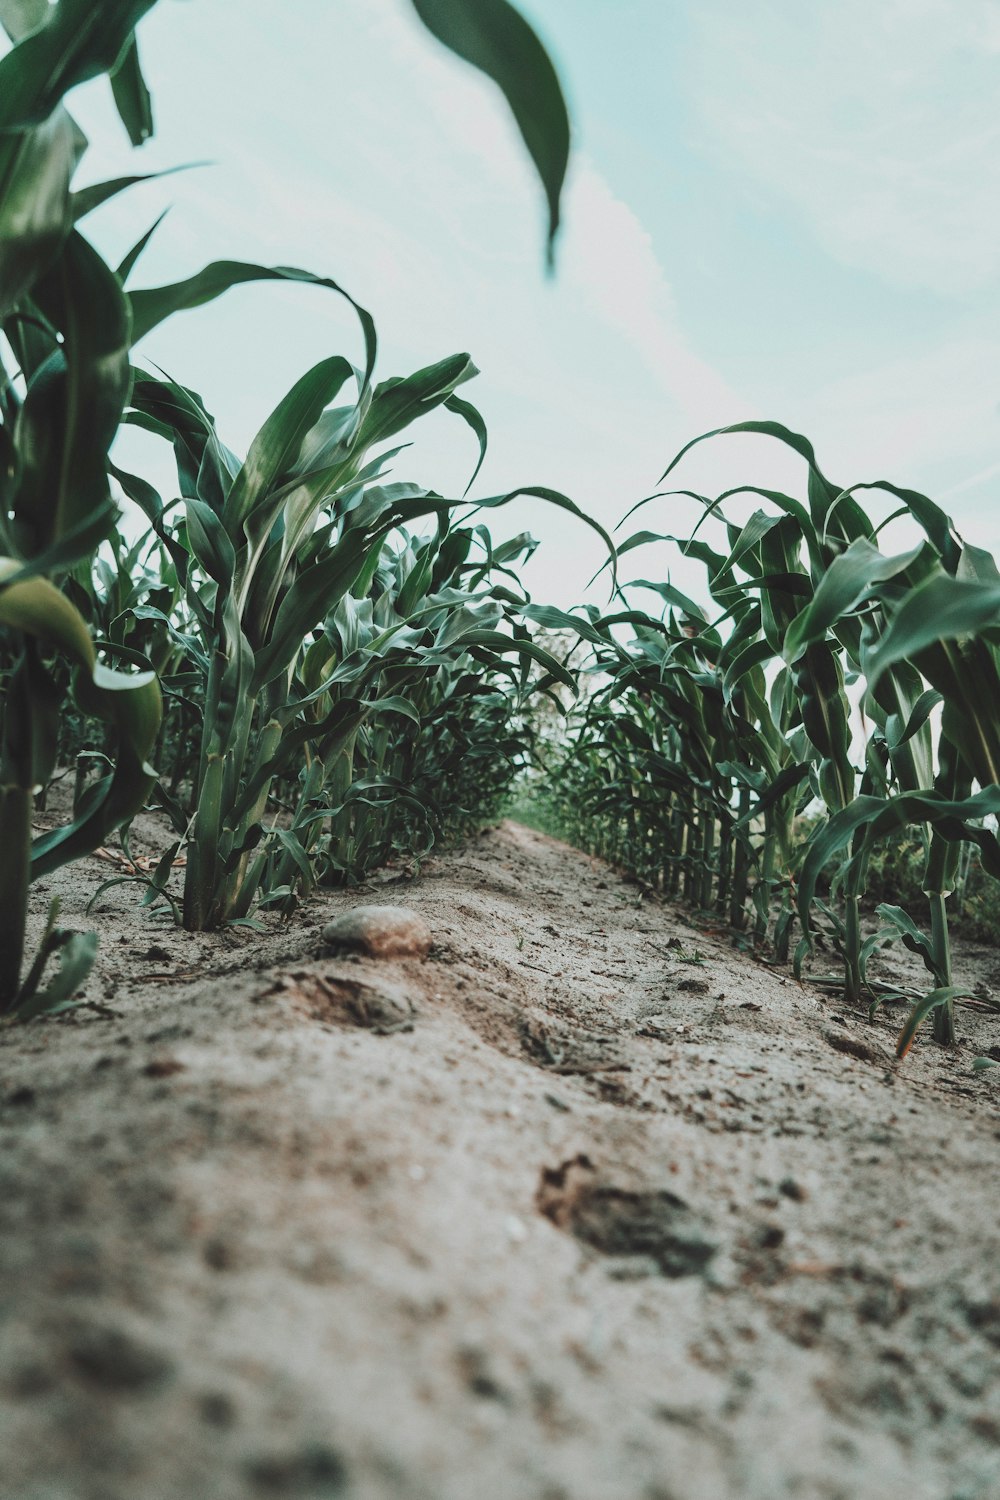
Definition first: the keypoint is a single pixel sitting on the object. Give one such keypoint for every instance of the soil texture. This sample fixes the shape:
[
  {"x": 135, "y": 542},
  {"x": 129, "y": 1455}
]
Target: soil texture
[{"x": 587, "y": 1204}]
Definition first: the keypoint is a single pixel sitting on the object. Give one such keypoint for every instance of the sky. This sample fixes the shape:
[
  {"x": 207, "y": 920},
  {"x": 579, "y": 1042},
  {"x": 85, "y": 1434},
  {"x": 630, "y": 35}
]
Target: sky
[{"x": 774, "y": 210}]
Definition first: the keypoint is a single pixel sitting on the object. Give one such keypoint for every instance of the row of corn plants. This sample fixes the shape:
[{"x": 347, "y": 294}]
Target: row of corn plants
[
  {"x": 716, "y": 756},
  {"x": 281, "y": 659}
]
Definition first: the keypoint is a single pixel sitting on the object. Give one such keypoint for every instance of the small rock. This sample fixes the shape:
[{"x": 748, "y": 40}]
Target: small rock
[
  {"x": 380, "y": 932},
  {"x": 219, "y": 1254},
  {"x": 216, "y": 1409},
  {"x": 314, "y": 1470},
  {"x": 112, "y": 1359},
  {"x": 163, "y": 1067},
  {"x": 474, "y": 1366}
]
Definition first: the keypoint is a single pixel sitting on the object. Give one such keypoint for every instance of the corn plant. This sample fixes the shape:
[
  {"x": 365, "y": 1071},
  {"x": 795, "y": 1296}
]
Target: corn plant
[
  {"x": 67, "y": 327},
  {"x": 714, "y": 737},
  {"x": 64, "y": 379},
  {"x": 300, "y": 642}
]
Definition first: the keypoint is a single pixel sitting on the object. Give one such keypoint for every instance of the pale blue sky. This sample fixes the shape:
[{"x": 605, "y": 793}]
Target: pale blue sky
[{"x": 776, "y": 210}]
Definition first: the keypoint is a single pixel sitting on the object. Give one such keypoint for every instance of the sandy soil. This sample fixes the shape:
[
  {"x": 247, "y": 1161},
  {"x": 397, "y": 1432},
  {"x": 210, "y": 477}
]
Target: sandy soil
[{"x": 586, "y": 1206}]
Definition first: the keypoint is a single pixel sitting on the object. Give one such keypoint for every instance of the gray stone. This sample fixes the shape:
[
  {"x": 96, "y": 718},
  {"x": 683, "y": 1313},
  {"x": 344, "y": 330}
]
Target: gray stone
[{"x": 380, "y": 932}]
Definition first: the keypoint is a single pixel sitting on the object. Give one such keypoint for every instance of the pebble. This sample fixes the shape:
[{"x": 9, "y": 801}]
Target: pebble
[
  {"x": 110, "y": 1357},
  {"x": 380, "y": 932}
]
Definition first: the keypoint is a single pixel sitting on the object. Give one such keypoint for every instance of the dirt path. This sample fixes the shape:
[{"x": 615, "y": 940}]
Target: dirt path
[{"x": 624, "y": 1216}]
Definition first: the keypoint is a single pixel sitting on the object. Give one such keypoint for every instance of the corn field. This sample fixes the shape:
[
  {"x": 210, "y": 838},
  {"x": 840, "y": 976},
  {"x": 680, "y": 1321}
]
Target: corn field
[
  {"x": 310, "y": 667},
  {"x": 715, "y": 756},
  {"x": 307, "y": 666}
]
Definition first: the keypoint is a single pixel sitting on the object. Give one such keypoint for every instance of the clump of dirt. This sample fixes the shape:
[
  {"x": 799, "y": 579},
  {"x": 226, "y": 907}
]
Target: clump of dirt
[
  {"x": 585, "y": 1204},
  {"x": 653, "y": 1224}
]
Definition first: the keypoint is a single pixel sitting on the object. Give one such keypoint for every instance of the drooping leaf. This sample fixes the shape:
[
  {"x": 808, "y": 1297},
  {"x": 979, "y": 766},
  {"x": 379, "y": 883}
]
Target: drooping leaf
[
  {"x": 937, "y": 997},
  {"x": 152, "y": 305},
  {"x": 496, "y": 39},
  {"x": 80, "y": 40},
  {"x": 35, "y": 206},
  {"x": 131, "y": 95},
  {"x": 74, "y": 404}
]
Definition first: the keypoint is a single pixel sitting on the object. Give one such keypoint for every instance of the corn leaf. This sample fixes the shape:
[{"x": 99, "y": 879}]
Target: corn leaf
[
  {"x": 151, "y": 305},
  {"x": 494, "y": 37},
  {"x": 131, "y": 95},
  {"x": 80, "y": 40}
]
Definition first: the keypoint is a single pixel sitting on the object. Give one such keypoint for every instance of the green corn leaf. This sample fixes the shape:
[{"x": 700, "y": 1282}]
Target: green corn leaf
[
  {"x": 398, "y": 402},
  {"x": 210, "y": 543},
  {"x": 314, "y": 593},
  {"x": 86, "y": 200},
  {"x": 786, "y": 781},
  {"x": 902, "y": 705},
  {"x": 77, "y": 952},
  {"x": 826, "y": 502},
  {"x": 551, "y": 618},
  {"x": 299, "y": 857},
  {"x": 469, "y": 414},
  {"x": 785, "y": 503},
  {"x": 151, "y": 305},
  {"x": 922, "y": 1010},
  {"x": 276, "y": 449},
  {"x": 670, "y": 595},
  {"x": 134, "y": 707},
  {"x": 497, "y": 642},
  {"x": 751, "y": 536},
  {"x": 903, "y": 925},
  {"x": 794, "y": 440},
  {"x": 931, "y": 517},
  {"x": 743, "y": 664},
  {"x": 880, "y": 817},
  {"x": 976, "y": 564},
  {"x": 494, "y": 37},
  {"x": 206, "y": 468},
  {"x": 36, "y": 607},
  {"x": 77, "y": 544},
  {"x": 395, "y": 704},
  {"x": 562, "y": 502},
  {"x": 35, "y": 205},
  {"x": 941, "y": 608},
  {"x": 131, "y": 703},
  {"x": 824, "y": 708},
  {"x": 919, "y": 714},
  {"x": 131, "y": 96},
  {"x": 131, "y": 257},
  {"x": 79, "y": 40},
  {"x": 73, "y": 406},
  {"x": 463, "y": 622},
  {"x": 845, "y": 583}
]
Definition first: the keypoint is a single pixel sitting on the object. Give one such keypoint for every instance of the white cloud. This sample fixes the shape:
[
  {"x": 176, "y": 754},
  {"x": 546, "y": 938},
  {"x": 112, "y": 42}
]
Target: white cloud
[
  {"x": 611, "y": 259},
  {"x": 875, "y": 119}
]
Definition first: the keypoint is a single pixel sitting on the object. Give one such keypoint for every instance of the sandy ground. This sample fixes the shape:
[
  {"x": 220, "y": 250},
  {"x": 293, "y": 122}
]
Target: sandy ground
[{"x": 586, "y": 1206}]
